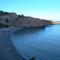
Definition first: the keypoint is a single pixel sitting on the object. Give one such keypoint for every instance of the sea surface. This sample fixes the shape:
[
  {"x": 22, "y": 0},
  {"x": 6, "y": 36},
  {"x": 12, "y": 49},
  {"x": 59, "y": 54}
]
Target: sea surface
[{"x": 41, "y": 43}]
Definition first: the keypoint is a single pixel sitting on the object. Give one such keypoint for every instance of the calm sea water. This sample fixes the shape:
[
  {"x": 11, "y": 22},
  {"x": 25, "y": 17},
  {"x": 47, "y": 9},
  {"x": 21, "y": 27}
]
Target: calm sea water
[{"x": 42, "y": 43}]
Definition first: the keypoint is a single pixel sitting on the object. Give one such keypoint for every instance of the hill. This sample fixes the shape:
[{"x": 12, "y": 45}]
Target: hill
[{"x": 13, "y": 20}]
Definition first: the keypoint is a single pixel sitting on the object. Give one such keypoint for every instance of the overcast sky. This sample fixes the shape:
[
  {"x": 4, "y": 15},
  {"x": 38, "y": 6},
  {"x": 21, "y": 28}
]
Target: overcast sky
[{"x": 45, "y": 9}]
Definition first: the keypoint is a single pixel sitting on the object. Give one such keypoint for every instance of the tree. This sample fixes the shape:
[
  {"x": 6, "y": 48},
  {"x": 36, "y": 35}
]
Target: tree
[{"x": 1, "y": 12}]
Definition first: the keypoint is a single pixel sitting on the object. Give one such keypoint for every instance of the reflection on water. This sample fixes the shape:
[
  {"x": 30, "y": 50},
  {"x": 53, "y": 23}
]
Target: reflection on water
[
  {"x": 29, "y": 30},
  {"x": 43, "y": 43}
]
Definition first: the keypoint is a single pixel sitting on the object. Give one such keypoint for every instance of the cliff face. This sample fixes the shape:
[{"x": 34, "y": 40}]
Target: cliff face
[
  {"x": 12, "y": 19},
  {"x": 33, "y": 22}
]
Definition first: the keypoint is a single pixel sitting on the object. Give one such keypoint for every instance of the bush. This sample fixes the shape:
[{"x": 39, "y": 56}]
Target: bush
[{"x": 20, "y": 16}]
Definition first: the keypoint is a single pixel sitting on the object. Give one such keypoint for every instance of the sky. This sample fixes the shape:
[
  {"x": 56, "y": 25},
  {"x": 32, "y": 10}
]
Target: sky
[{"x": 44, "y": 9}]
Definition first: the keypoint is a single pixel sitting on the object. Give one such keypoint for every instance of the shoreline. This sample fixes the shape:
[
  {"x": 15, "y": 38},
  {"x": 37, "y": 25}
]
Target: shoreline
[{"x": 7, "y": 50}]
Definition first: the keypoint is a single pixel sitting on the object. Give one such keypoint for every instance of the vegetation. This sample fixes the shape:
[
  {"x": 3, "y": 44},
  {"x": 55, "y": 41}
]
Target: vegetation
[{"x": 20, "y": 16}]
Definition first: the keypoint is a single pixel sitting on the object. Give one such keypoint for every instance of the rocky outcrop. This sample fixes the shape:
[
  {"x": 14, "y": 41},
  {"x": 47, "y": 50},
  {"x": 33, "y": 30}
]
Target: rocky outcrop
[
  {"x": 14, "y": 20},
  {"x": 34, "y": 22}
]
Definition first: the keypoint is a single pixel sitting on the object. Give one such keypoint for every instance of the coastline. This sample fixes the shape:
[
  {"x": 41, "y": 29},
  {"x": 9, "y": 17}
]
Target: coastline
[{"x": 7, "y": 50}]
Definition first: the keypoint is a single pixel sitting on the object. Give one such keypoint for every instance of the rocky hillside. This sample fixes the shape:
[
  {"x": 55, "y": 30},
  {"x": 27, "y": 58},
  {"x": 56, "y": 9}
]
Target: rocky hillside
[{"x": 12, "y": 19}]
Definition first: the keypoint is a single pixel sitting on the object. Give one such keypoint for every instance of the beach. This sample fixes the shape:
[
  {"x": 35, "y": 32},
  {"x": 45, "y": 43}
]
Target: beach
[{"x": 7, "y": 51}]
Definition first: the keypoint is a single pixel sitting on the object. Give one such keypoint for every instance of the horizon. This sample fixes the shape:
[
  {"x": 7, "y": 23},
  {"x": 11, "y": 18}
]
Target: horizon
[{"x": 43, "y": 9}]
